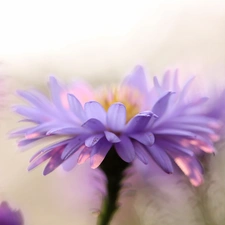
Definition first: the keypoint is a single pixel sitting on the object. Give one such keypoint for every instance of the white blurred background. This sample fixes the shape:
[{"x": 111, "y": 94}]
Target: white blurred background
[{"x": 99, "y": 41}]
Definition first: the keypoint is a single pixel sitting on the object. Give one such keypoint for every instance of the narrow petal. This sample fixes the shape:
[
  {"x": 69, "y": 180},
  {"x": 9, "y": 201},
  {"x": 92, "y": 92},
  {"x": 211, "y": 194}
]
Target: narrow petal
[
  {"x": 176, "y": 147},
  {"x": 151, "y": 122},
  {"x": 175, "y": 84},
  {"x": 192, "y": 168},
  {"x": 33, "y": 114},
  {"x": 56, "y": 89},
  {"x": 99, "y": 152},
  {"x": 84, "y": 155},
  {"x": 73, "y": 146},
  {"x": 71, "y": 162},
  {"x": 156, "y": 83},
  {"x": 137, "y": 80},
  {"x": 111, "y": 137},
  {"x": 67, "y": 131},
  {"x": 94, "y": 124},
  {"x": 43, "y": 128},
  {"x": 116, "y": 117},
  {"x": 185, "y": 89},
  {"x": 25, "y": 142},
  {"x": 55, "y": 161},
  {"x": 92, "y": 140},
  {"x": 40, "y": 160},
  {"x": 158, "y": 90},
  {"x": 52, "y": 147},
  {"x": 193, "y": 128},
  {"x": 138, "y": 123},
  {"x": 141, "y": 152},
  {"x": 146, "y": 138},
  {"x": 164, "y": 131},
  {"x": 166, "y": 81},
  {"x": 161, "y": 158},
  {"x": 95, "y": 110},
  {"x": 125, "y": 149},
  {"x": 161, "y": 105},
  {"x": 36, "y": 99},
  {"x": 195, "y": 119},
  {"x": 19, "y": 132},
  {"x": 43, "y": 156},
  {"x": 76, "y": 107}
]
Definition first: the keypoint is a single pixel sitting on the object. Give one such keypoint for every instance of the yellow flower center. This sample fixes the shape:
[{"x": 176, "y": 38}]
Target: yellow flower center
[{"x": 129, "y": 96}]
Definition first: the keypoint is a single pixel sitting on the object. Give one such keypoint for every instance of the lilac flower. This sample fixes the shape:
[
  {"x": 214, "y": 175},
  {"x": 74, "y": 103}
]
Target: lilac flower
[
  {"x": 90, "y": 129},
  {"x": 9, "y": 216},
  {"x": 137, "y": 121}
]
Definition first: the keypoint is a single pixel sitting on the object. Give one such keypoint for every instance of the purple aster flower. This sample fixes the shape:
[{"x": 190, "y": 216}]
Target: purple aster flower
[
  {"x": 131, "y": 118},
  {"x": 9, "y": 216}
]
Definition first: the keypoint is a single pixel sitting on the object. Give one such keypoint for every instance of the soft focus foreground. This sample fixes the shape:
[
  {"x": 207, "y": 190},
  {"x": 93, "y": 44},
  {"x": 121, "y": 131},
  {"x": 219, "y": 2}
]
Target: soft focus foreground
[{"x": 180, "y": 34}]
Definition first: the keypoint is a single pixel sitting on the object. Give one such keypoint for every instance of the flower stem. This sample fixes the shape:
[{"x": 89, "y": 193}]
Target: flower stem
[{"x": 113, "y": 167}]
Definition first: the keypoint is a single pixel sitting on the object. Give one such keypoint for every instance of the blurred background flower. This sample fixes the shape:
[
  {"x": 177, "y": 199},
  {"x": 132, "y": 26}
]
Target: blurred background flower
[
  {"x": 10, "y": 216},
  {"x": 98, "y": 41}
]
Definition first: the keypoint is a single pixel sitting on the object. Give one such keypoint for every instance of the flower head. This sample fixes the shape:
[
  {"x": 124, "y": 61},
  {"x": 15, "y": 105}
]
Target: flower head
[
  {"x": 9, "y": 216},
  {"x": 138, "y": 121}
]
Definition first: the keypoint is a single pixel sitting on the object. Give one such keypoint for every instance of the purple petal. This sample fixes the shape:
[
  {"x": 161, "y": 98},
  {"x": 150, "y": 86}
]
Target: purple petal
[
  {"x": 111, "y": 137},
  {"x": 151, "y": 122},
  {"x": 67, "y": 131},
  {"x": 161, "y": 158},
  {"x": 161, "y": 105},
  {"x": 92, "y": 140},
  {"x": 73, "y": 146},
  {"x": 36, "y": 99},
  {"x": 176, "y": 86},
  {"x": 43, "y": 128},
  {"x": 166, "y": 81},
  {"x": 94, "y": 124},
  {"x": 116, "y": 117},
  {"x": 139, "y": 122},
  {"x": 125, "y": 149},
  {"x": 50, "y": 148},
  {"x": 175, "y": 147},
  {"x": 141, "y": 152},
  {"x": 44, "y": 157},
  {"x": 158, "y": 91},
  {"x": 84, "y": 155},
  {"x": 95, "y": 110},
  {"x": 185, "y": 89},
  {"x": 25, "y": 142},
  {"x": 71, "y": 162},
  {"x": 19, "y": 132},
  {"x": 56, "y": 90},
  {"x": 55, "y": 161},
  {"x": 33, "y": 114},
  {"x": 146, "y": 138},
  {"x": 195, "y": 119},
  {"x": 164, "y": 131},
  {"x": 193, "y": 128},
  {"x": 76, "y": 107},
  {"x": 156, "y": 82},
  {"x": 137, "y": 80},
  {"x": 99, "y": 152},
  {"x": 192, "y": 168}
]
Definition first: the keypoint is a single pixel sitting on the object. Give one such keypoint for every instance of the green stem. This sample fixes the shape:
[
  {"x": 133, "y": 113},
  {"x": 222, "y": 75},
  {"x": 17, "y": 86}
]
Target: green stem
[{"x": 113, "y": 167}]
